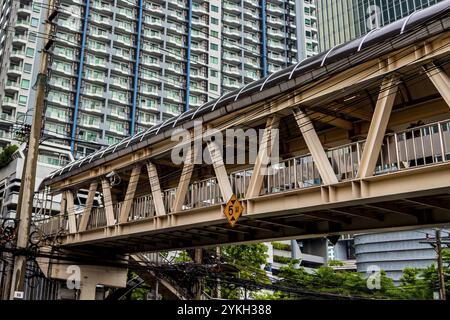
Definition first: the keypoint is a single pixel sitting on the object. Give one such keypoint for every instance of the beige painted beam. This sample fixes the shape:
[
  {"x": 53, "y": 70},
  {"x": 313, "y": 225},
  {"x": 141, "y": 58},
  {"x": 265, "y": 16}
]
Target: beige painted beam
[
  {"x": 87, "y": 210},
  {"x": 155, "y": 189},
  {"x": 220, "y": 170},
  {"x": 129, "y": 195},
  {"x": 315, "y": 147},
  {"x": 440, "y": 80},
  {"x": 71, "y": 212},
  {"x": 262, "y": 160},
  {"x": 185, "y": 179},
  {"x": 107, "y": 198},
  {"x": 378, "y": 125}
]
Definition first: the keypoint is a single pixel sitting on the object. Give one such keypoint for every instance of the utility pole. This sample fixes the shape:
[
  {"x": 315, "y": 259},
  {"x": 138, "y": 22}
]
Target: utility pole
[
  {"x": 436, "y": 243},
  {"x": 442, "y": 294},
  {"x": 26, "y": 196}
]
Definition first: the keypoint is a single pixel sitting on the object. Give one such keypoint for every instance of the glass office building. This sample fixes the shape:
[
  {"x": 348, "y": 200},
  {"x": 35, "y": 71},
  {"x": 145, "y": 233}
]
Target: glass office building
[{"x": 343, "y": 20}]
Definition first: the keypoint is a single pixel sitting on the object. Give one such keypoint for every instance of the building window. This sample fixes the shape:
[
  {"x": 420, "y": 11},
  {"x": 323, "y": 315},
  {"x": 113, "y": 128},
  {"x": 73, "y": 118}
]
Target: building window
[
  {"x": 32, "y": 37},
  {"x": 213, "y": 73},
  {"x": 213, "y": 87},
  {"x": 22, "y": 100},
  {"x": 25, "y": 84},
  {"x": 36, "y": 7},
  {"x": 214, "y": 60},
  {"x": 214, "y": 34},
  {"x": 34, "y": 22},
  {"x": 214, "y": 8},
  {"x": 27, "y": 67},
  {"x": 214, "y": 21},
  {"x": 214, "y": 47},
  {"x": 30, "y": 52}
]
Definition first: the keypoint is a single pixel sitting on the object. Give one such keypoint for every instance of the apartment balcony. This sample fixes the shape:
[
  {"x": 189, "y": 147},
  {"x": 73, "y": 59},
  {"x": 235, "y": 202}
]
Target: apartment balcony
[
  {"x": 231, "y": 7},
  {"x": 95, "y": 79},
  {"x": 234, "y": 32},
  {"x": 199, "y": 76},
  {"x": 119, "y": 115},
  {"x": 89, "y": 93},
  {"x": 199, "y": 9},
  {"x": 22, "y": 24},
  {"x": 252, "y": 26},
  {"x": 9, "y": 103},
  {"x": 153, "y": 36},
  {"x": 252, "y": 3},
  {"x": 58, "y": 101},
  {"x": 101, "y": 6},
  {"x": 24, "y": 10},
  {"x": 119, "y": 84},
  {"x": 58, "y": 116},
  {"x": 125, "y": 28},
  {"x": 200, "y": 23},
  {"x": 251, "y": 15},
  {"x": 276, "y": 34},
  {"x": 174, "y": 17},
  {"x": 150, "y": 63},
  {"x": 278, "y": 58},
  {"x": 4, "y": 117},
  {"x": 199, "y": 35},
  {"x": 96, "y": 109},
  {"x": 175, "y": 69},
  {"x": 19, "y": 39},
  {"x": 199, "y": 48},
  {"x": 6, "y": 136},
  {"x": 117, "y": 130},
  {"x": 232, "y": 58},
  {"x": 234, "y": 20},
  {"x": 69, "y": 26},
  {"x": 232, "y": 71},
  {"x": 12, "y": 86},
  {"x": 179, "y": 3},
  {"x": 99, "y": 36},
  {"x": 101, "y": 21},
  {"x": 127, "y": 57},
  {"x": 151, "y": 49},
  {"x": 15, "y": 70},
  {"x": 275, "y": 45},
  {"x": 252, "y": 38},
  {"x": 125, "y": 14},
  {"x": 174, "y": 98},
  {"x": 147, "y": 107},
  {"x": 17, "y": 54},
  {"x": 276, "y": 22},
  {"x": 151, "y": 93}
]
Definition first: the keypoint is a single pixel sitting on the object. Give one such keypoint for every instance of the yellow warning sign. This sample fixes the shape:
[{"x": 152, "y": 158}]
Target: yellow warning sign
[{"x": 233, "y": 210}]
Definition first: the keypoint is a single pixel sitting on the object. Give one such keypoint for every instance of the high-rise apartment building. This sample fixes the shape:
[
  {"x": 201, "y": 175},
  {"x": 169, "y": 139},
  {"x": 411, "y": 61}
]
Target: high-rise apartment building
[
  {"x": 343, "y": 20},
  {"x": 20, "y": 30},
  {"x": 121, "y": 66}
]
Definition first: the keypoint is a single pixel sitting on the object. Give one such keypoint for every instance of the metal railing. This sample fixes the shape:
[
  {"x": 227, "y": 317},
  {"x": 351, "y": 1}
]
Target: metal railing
[{"x": 411, "y": 148}]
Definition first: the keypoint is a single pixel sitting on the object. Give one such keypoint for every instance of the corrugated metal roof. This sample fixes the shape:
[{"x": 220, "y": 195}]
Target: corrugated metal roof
[{"x": 396, "y": 35}]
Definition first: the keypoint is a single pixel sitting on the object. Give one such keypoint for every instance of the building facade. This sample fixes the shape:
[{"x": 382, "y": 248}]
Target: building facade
[
  {"x": 395, "y": 251},
  {"x": 120, "y": 66},
  {"x": 20, "y": 41},
  {"x": 344, "y": 20}
]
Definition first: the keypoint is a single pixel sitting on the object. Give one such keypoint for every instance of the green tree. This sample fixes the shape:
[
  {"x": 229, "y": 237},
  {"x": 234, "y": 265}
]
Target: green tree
[
  {"x": 248, "y": 258},
  {"x": 6, "y": 155}
]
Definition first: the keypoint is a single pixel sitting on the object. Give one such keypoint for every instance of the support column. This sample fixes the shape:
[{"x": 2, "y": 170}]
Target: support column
[
  {"x": 87, "y": 210},
  {"x": 219, "y": 169},
  {"x": 378, "y": 125},
  {"x": 185, "y": 179},
  {"x": 107, "y": 198},
  {"x": 129, "y": 196},
  {"x": 264, "y": 153},
  {"x": 156, "y": 189},
  {"x": 87, "y": 291},
  {"x": 440, "y": 80},
  {"x": 315, "y": 147},
  {"x": 71, "y": 212}
]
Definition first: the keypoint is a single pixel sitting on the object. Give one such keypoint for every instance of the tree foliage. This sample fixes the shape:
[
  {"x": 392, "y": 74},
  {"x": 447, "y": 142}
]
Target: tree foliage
[{"x": 6, "y": 155}]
